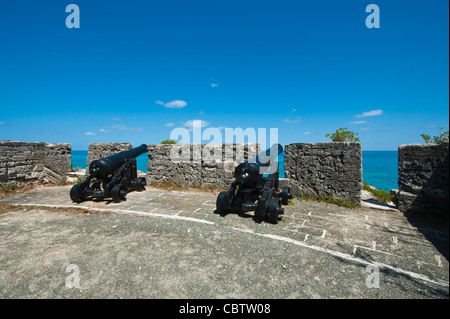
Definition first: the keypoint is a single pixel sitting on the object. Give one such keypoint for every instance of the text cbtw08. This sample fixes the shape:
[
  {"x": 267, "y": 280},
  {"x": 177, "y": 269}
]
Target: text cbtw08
[
  {"x": 111, "y": 177},
  {"x": 256, "y": 188}
]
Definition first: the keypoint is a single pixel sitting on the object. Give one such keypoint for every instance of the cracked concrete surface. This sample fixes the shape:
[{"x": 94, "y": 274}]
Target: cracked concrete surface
[{"x": 160, "y": 244}]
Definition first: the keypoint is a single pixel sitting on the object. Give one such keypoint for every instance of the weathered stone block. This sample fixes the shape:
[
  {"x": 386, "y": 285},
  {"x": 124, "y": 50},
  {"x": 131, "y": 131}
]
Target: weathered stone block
[
  {"x": 424, "y": 177},
  {"x": 325, "y": 168}
]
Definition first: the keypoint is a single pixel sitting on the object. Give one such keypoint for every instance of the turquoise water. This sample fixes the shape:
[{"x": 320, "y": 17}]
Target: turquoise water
[
  {"x": 379, "y": 167},
  {"x": 79, "y": 159}
]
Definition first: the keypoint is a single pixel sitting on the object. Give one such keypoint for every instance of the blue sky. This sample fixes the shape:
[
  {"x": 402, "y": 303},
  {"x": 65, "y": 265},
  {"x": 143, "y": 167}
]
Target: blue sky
[{"x": 135, "y": 70}]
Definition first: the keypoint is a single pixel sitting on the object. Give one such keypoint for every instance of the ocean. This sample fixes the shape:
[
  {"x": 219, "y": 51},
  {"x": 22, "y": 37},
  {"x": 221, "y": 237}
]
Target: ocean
[{"x": 379, "y": 167}]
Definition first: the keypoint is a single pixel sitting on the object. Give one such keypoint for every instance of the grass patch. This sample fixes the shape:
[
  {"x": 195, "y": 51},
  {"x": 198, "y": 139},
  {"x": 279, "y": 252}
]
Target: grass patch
[
  {"x": 10, "y": 188},
  {"x": 5, "y": 208},
  {"x": 13, "y": 189},
  {"x": 328, "y": 199},
  {"x": 382, "y": 195},
  {"x": 170, "y": 185}
]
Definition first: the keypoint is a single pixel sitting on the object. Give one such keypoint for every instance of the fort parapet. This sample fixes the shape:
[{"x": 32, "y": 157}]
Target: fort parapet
[
  {"x": 24, "y": 162},
  {"x": 423, "y": 177},
  {"x": 330, "y": 169},
  {"x": 198, "y": 167}
]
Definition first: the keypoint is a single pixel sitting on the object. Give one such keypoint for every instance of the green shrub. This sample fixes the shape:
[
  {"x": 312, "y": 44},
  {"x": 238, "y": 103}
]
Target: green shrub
[
  {"x": 169, "y": 141},
  {"x": 442, "y": 137},
  {"x": 383, "y": 195},
  {"x": 343, "y": 135}
]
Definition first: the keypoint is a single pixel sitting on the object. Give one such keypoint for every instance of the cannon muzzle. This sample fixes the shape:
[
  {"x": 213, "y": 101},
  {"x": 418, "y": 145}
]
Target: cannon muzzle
[
  {"x": 104, "y": 167},
  {"x": 250, "y": 172}
]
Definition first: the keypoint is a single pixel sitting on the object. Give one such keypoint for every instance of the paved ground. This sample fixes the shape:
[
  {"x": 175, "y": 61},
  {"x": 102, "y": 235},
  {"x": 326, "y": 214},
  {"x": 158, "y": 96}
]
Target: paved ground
[{"x": 161, "y": 244}]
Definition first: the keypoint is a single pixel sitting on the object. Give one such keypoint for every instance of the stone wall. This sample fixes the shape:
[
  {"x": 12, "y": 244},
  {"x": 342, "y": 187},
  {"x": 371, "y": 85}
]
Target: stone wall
[
  {"x": 423, "y": 177},
  {"x": 333, "y": 169},
  {"x": 187, "y": 167},
  {"x": 23, "y": 162}
]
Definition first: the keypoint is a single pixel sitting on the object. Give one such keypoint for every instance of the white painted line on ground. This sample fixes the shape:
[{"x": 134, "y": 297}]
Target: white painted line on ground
[
  {"x": 165, "y": 216},
  {"x": 345, "y": 256},
  {"x": 315, "y": 216},
  {"x": 374, "y": 244},
  {"x": 323, "y": 234},
  {"x": 125, "y": 211},
  {"x": 196, "y": 210},
  {"x": 337, "y": 215},
  {"x": 395, "y": 240},
  {"x": 421, "y": 242},
  {"x": 306, "y": 237},
  {"x": 438, "y": 259},
  {"x": 179, "y": 212}
]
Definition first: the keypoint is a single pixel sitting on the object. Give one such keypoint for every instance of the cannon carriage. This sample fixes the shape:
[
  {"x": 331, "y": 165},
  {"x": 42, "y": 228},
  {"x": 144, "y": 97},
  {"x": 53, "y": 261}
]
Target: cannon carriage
[
  {"x": 256, "y": 188},
  {"x": 111, "y": 177}
]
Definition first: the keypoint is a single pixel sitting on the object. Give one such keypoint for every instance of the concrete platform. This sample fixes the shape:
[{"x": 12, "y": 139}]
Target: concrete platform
[{"x": 160, "y": 244}]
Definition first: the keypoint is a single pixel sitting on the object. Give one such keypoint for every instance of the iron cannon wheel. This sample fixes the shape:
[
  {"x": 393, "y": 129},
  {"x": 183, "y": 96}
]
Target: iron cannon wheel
[
  {"x": 221, "y": 202},
  {"x": 76, "y": 193},
  {"x": 285, "y": 192},
  {"x": 274, "y": 209},
  {"x": 118, "y": 193}
]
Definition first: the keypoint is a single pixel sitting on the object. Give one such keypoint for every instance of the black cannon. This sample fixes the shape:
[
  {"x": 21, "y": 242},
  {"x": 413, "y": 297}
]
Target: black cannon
[
  {"x": 256, "y": 188},
  {"x": 111, "y": 177}
]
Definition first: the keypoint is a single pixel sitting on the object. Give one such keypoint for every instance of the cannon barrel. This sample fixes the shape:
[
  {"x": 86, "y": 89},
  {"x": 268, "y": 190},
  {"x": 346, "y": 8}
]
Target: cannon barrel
[
  {"x": 249, "y": 173},
  {"x": 101, "y": 168}
]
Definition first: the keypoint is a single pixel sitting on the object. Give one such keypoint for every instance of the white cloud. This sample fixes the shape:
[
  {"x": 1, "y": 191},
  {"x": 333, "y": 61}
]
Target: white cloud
[
  {"x": 104, "y": 131},
  {"x": 370, "y": 113},
  {"x": 175, "y": 104},
  {"x": 294, "y": 110},
  {"x": 427, "y": 126},
  {"x": 214, "y": 85},
  {"x": 296, "y": 120},
  {"x": 190, "y": 124},
  {"x": 358, "y": 122},
  {"x": 115, "y": 119},
  {"x": 365, "y": 129},
  {"x": 307, "y": 133},
  {"x": 90, "y": 133},
  {"x": 127, "y": 128},
  {"x": 169, "y": 124}
]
